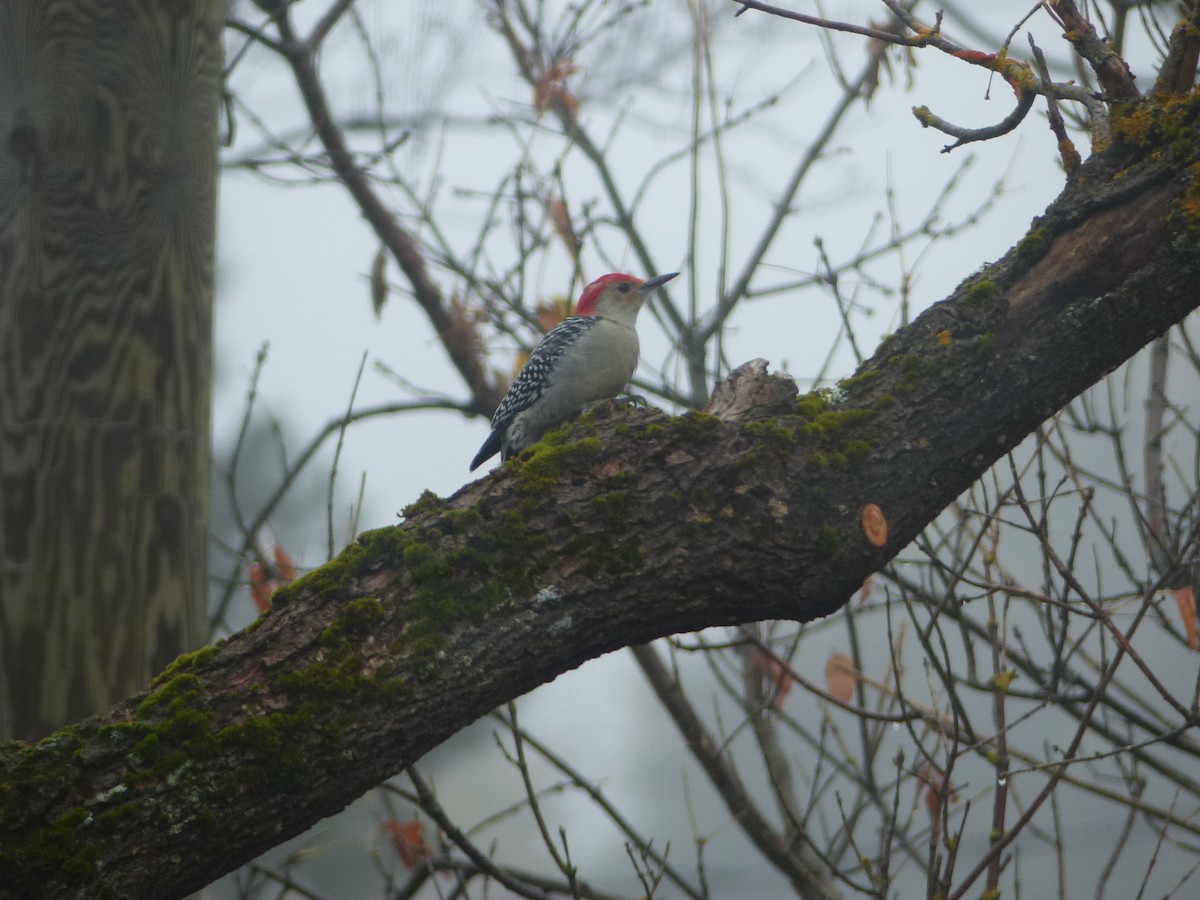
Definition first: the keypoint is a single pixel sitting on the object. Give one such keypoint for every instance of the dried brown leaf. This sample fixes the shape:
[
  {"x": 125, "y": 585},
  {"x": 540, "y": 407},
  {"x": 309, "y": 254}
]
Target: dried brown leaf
[
  {"x": 937, "y": 787},
  {"x": 841, "y": 677},
  {"x": 408, "y": 839},
  {"x": 549, "y": 89},
  {"x": 1185, "y": 599},
  {"x": 774, "y": 674}
]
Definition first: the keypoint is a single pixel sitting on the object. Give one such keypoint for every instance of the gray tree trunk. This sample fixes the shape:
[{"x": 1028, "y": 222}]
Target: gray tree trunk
[{"x": 108, "y": 162}]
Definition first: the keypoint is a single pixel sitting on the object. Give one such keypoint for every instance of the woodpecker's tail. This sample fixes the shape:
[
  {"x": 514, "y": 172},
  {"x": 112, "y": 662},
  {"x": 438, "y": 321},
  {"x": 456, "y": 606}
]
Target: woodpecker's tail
[{"x": 489, "y": 449}]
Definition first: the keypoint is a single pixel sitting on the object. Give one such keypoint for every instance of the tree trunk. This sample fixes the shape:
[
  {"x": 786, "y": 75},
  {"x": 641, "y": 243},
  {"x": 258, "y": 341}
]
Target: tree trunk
[
  {"x": 620, "y": 530},
  {"x": 108, "y": 114}
]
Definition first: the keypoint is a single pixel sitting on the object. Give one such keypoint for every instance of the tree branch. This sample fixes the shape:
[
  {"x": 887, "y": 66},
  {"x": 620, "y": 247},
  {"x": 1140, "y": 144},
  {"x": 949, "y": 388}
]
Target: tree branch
[
  {"x": 1111, "y": 70},
  {"x": 806, "y": 873},
  {"x": 454, "y": 329},
  {"x": 1177, "y": 75},
  {"x": 621, "y": 529}
]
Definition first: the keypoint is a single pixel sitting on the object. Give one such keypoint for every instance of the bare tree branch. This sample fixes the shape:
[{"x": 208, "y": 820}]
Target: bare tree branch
[
  {"x": 1111, "y": 71},
  {"x": 454, "y": 330}
]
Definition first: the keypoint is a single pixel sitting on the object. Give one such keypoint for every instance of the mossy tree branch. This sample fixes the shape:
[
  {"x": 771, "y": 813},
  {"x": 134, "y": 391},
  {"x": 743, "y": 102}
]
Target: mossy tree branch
[{"x": 626, "y": 527}]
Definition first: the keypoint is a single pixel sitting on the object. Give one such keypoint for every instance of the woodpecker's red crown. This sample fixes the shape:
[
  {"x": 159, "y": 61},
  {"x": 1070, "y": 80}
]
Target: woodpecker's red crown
[
  {"x": 618, "y": 295},
  {"x": 616, "y": 282}
]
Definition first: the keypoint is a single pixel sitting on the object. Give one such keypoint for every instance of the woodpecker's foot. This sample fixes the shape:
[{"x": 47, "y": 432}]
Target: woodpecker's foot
[{"x": 631, "y": 399}]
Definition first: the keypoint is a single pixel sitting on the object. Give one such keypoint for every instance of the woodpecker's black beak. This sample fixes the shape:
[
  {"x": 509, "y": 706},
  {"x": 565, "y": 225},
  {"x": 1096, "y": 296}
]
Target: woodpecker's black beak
[{"x": 657, "y": 282}]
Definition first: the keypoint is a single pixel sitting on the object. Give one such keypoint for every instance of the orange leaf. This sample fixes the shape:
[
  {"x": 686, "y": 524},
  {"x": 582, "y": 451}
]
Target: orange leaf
[
  {"x": 548, "y": 314},
  {"x": 774, "y": 673},
  {"x": 566, "y": 99},
  {"x": 865, "y": 591},
  {"x": 937, "y": 787},
  {"x": 409, "y": 840},
  {"x": 551, "y": 312},
  {"x": 265, "y": 580},
  {"x": 1185, "y": 598},
  {"x": 560, "y": 218},
  {"x": 549, "y": 88},
  {"x": 840, "y": 677},
  {"x": 261, "y": 588},
  {"x": 519, "y": 362},
  {"x": 285, "y": 566}
]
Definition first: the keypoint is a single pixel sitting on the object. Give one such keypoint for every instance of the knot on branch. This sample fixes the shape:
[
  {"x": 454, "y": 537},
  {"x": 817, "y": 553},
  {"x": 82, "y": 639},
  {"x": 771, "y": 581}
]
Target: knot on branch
[{"x": 751, "y": 392}]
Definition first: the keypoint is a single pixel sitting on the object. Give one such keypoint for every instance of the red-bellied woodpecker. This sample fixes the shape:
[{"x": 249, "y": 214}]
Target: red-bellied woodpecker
[{"x": 587, "y": 357}]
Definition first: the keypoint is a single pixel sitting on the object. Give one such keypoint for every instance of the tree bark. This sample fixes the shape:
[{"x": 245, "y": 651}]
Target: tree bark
[
  {"x": 626, "y": 527},
  {"x": 108, "y": 114}
]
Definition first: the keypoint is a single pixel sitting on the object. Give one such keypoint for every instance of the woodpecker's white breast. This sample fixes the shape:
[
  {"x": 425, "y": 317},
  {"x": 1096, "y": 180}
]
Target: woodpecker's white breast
[{"x": 597, "y": 364}]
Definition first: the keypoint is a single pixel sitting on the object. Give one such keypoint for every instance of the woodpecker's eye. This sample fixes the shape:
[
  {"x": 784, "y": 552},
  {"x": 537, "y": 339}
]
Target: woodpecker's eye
[{"x": 624, "y": 287}]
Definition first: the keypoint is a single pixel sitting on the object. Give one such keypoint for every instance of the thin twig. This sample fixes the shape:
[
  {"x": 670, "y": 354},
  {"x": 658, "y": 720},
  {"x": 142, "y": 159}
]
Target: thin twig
[
  {"x": 431, "y": 806},
  {"x": 337, "y": 455},
  {"x": 1066, "y": 147},
  {"x": 805, "y": 876}
]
